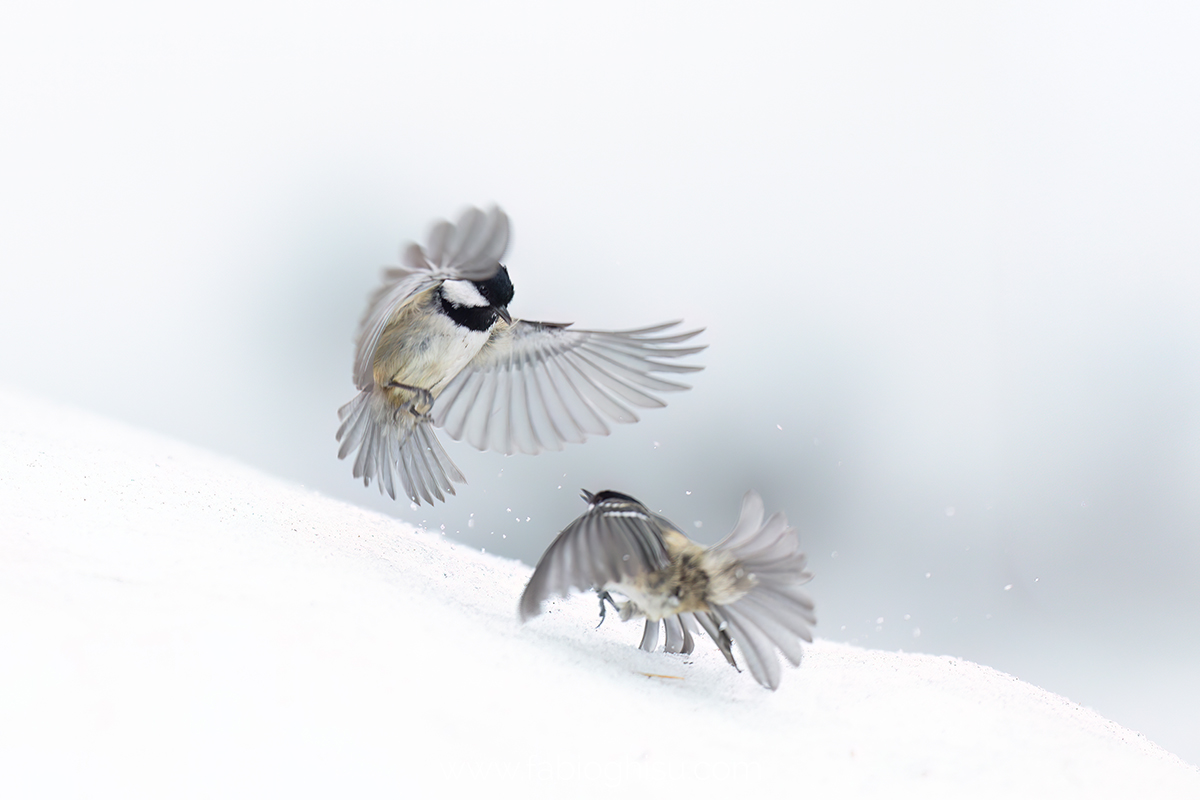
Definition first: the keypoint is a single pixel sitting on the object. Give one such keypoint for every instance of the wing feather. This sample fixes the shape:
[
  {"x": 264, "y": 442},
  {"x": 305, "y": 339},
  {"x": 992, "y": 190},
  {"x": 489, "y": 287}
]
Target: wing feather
[
  {"x": 749, "y": 521},
  {"x": 584, "y": 415},
  {"x": 499, "y": 418},
  {"x": 628, "y": 369},
  {"x": 775, "y": 540},
  {"x": 713, "y": 626},
  {"x": 613, "y": 541},
  {"x": 792, "y": 618},
  {"x": 479, "y": 412},
  {"x": 541, "y": 418},
  {"x": 774, "y": 614},
  {"x": 778, "y": 629},
  {"x": 623, "y": 387},
  {"x": 563, "y": 427},
  {"x": 524, "y": 435},
  {"x": 456, "y": 422},
  {"x": 757, "y": 648},
  {"x": 583, "y": 379},
  {"x": 591, "y": 393}
]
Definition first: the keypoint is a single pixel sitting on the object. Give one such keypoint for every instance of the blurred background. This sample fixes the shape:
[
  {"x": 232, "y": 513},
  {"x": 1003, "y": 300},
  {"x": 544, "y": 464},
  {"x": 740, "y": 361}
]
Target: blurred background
[{"x": 947, "y": 257}]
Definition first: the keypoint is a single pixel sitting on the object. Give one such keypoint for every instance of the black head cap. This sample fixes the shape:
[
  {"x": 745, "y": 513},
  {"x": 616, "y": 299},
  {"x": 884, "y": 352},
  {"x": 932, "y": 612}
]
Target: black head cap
[
  {"x": 498, "y": 289},
  {"x": 607, "y": 494}
]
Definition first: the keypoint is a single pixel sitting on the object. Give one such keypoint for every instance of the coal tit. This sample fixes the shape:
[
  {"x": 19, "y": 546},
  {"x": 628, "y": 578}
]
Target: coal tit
[
  {"x": 437, "y": 347},
  {"x": 744, "y": 589}
]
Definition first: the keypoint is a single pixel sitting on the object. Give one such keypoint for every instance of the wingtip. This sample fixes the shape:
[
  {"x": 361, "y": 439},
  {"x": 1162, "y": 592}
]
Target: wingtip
[{"x": 528, "y": 607}]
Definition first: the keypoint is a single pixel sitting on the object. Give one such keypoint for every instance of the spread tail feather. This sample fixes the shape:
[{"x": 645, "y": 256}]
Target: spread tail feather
[
  {"x": 679, "y": 637},
  {"x": 678, "y": 634},
  {"x": 775, "y": 614},
  {"x": 650, "y": 636},
  {"x": 716, "y": 631},
  {"x": 395, "y": 448}
]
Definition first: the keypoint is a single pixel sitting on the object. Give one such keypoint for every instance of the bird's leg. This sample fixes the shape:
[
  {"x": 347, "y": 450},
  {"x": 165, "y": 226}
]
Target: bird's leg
[
  {"x": 421, "y": 404},
  {"x": 606, "y": 596}
]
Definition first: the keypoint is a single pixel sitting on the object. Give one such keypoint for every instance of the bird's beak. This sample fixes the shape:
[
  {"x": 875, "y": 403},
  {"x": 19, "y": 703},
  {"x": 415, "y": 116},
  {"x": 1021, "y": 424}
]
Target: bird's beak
[{"x": 504, "y": 315}]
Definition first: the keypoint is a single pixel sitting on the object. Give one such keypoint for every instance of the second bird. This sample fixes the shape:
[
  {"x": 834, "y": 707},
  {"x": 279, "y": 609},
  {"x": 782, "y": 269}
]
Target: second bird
[
  {"x": 437, "y": 347},
  {"x": 743, "y": 589}
]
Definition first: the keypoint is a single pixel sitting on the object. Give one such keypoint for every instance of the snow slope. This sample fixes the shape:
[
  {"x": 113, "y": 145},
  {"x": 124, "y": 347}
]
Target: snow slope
[{"x": 175, "y": 625}]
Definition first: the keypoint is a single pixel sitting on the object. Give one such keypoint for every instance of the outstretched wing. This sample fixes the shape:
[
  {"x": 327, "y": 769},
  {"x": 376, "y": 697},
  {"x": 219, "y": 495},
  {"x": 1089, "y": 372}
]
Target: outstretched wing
[
  {"x": 615, "y": 540},
  {"x": 470, "y": 250},
  {"x": 536, "y": 385},
  {"x": 775, "y": 614}
]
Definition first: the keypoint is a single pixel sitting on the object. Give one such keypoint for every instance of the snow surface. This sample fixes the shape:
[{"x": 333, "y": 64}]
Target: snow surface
[{"x": 175, "y": 624}]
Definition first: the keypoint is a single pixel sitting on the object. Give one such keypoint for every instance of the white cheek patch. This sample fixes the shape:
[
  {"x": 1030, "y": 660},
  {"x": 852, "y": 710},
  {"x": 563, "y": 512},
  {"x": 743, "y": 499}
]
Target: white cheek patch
[{"x": 463, "y": 293}]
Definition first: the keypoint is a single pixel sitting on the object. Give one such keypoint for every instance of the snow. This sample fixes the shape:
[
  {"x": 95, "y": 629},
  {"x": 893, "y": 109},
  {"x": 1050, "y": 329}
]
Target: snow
[{"x": 177, "y": 625}]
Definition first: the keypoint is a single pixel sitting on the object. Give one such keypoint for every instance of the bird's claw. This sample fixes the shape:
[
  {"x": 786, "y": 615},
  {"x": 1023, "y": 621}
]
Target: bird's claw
[
  {"x": 420, "y": 404},
  {"x": 606, "y": 596}
]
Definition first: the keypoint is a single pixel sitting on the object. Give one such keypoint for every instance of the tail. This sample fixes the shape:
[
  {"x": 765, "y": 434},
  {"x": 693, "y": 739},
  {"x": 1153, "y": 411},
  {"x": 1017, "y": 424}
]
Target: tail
[
  {"x": 679, "y": 630},
  {"x": 774, "y": 613},
  {"x": 395, "y": 447},
  {"x": 679, "y": 634}
]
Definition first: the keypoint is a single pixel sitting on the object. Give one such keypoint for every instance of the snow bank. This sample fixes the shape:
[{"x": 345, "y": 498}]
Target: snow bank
[{"x": 174, "y": 624}]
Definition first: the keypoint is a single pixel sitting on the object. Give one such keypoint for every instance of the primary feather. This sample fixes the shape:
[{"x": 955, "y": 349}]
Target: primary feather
[{"x": 535, "y": 386}]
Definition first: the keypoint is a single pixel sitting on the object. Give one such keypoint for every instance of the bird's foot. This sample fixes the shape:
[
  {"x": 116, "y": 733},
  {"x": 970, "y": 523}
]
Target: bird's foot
[
  {"x": 420, "y": 404},
  {"x": 606, "y": 596}
]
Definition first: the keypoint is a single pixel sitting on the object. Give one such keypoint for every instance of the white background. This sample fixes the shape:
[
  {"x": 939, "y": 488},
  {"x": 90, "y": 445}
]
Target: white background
[{"x": 947, "y": 259}]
